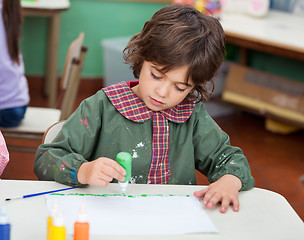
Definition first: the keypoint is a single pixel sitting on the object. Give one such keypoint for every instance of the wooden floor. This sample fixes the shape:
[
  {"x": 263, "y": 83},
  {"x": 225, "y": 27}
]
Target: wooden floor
[{"x": 276, "y": 161}]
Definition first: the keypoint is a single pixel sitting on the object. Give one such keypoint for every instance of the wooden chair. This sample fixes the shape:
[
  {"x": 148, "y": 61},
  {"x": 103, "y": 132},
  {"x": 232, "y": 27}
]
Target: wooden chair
[
  {"x": 37, "y": 119},
  {"x": 52, "y": 132}
]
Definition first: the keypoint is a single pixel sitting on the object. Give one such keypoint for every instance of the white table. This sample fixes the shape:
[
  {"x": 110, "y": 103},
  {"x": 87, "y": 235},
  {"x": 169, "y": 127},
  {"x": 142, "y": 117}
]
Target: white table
[
  {"x": 51, "y": 9},
  {"x": 278, "y": 33},
  {"x": 263, "y": 214}
]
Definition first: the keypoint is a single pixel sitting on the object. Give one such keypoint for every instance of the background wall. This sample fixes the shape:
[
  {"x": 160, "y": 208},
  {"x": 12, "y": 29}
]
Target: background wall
[{"x": 100, "y": 19}]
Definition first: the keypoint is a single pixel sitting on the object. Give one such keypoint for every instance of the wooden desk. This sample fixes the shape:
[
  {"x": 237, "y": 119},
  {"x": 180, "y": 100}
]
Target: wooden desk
[
  {"x": 278, "y": 33},
  {"x": 51, "y": 9},
  {"x": 263, "y": 214}
]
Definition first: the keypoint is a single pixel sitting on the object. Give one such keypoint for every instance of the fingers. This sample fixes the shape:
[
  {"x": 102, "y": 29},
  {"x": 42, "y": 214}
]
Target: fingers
[
  {"x": 99, "y": 182},
  {"x": 106, "y": 170},
  {"x": 100, "y": 172},
  {"x": 224, "y": 206},
  {"x": 207, "y": 194},
  {"x": 201, "y": 193},
  {"x": 112, "y": 169},
  {"x": 211, "y": 197},
  {"x": 236, "y": 204},
  {"x": 227, "y": 201}
]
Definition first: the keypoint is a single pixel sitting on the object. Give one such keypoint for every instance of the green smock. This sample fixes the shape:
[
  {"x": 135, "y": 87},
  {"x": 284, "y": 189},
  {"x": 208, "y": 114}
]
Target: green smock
[{"x": 96, "y": 129}]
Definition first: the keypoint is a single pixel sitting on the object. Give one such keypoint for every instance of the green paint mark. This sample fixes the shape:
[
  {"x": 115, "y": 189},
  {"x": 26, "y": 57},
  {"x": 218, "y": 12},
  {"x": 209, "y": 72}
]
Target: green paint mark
[{"x": 118, "y": 195}]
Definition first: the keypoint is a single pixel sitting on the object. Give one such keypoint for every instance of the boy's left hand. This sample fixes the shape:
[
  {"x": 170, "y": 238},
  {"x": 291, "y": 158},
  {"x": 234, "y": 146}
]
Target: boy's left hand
[{"x": 224, "y": 190}]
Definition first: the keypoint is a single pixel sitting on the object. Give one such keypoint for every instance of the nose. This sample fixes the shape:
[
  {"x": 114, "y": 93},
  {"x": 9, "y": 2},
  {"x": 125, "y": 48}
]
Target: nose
[{"x": 162, "y": 90}]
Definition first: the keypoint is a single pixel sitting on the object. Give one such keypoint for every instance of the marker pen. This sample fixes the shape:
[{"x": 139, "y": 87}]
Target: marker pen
[
  {"x": 58, "y": 230},
  {"x": 50, "y": 218},
  {"x": 81, "y": 226},
  {"x": 5, "y": 227},
  {"x": 125, "y": 160}
]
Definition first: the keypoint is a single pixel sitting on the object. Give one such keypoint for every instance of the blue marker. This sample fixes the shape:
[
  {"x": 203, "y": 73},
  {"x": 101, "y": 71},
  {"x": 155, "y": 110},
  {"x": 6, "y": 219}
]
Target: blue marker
[
  {"x": 5, "y": 227},
  {"x": 125, "y": 160}
]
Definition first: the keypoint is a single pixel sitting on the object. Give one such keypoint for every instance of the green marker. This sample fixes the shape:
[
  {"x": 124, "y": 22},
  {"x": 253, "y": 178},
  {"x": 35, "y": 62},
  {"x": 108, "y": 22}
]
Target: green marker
[{"x": 125, "y": 160}]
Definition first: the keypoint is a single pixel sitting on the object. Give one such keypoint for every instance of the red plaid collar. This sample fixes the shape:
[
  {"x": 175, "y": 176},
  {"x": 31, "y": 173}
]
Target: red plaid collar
[{"x": 131, "y": 107}]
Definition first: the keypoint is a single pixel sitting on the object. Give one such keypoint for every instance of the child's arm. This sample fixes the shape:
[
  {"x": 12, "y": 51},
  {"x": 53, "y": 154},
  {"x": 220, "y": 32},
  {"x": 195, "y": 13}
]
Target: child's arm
[
  {"x": 75, "y": 144},
  {"x": 225, "y": 166},
  {"x": 215, "y": 157},
  {"x": 100, "y": 172},
  {"x": 224, "y": 190}
]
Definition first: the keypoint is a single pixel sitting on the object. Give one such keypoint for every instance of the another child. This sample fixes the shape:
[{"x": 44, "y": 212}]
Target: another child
[
  {"x": 14, "y": 94},
  {"x": 4, "y": 155},
  {"x": 158, "y": 119}
]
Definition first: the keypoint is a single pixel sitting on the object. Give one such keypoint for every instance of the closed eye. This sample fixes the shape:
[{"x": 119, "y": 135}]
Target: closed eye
[
  {"x": 154, "y": 76},
  {"x": 179, "y": 89}
]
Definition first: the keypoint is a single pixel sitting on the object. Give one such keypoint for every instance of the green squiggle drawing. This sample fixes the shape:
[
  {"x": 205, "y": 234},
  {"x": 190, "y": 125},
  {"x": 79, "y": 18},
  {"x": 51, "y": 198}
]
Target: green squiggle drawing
[{"x": 119, "y": 195}]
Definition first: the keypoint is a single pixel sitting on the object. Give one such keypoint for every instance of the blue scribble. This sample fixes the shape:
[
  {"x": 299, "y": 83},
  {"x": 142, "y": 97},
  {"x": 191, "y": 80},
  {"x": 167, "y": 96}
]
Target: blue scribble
[{"x": 74, "y": 175}]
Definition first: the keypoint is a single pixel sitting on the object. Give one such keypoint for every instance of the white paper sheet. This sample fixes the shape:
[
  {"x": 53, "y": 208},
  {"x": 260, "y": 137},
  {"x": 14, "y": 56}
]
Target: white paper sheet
[{"x": 139, "y": 215}]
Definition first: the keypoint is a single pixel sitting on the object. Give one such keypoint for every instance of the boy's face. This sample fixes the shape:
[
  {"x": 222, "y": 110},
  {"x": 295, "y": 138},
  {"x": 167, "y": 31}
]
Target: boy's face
[{"x": 160, "y": 91}]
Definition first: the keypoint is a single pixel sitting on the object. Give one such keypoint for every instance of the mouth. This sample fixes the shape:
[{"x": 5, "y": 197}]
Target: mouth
[{"x": 156, "y": 102}]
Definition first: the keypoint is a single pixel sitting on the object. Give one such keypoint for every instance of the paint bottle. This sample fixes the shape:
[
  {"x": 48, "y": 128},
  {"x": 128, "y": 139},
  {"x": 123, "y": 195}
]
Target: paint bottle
[
  {"x": 200, "y": 5},
  {"x": 81, "y": 226},
  {"x": 50, "y": 218},
  {"x": 125, "y": 160},
  {"x": 5, "y": 227},
  {"x": 58, "y": 230}
]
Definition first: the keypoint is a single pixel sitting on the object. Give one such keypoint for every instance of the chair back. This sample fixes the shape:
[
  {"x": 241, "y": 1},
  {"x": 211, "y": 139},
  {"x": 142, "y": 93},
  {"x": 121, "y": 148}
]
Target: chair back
[
  {"x": 73, "y": 52},
  {"x": 52, "y": 132},
  {"x": 71, "y": 77},
  {"x": 70, "y": 93}
]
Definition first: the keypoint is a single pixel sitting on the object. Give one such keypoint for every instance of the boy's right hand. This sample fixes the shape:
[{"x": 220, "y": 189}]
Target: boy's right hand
[{"x": 100, "y": 172}]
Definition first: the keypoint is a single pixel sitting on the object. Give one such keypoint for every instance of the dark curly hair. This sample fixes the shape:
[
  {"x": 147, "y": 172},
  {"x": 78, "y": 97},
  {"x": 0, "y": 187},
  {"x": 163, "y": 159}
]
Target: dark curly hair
[{"x": 180, "y": 35}]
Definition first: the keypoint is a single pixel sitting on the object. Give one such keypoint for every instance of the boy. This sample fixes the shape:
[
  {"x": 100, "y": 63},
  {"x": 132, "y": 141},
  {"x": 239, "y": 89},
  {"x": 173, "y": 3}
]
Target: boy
[{"x": 158, "y": 119}]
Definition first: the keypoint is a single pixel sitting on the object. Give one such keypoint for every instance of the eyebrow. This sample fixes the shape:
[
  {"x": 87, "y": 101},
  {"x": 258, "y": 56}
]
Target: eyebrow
[
  {"x": 186, "y": 84},
  {"x": 159, "y": 70}
]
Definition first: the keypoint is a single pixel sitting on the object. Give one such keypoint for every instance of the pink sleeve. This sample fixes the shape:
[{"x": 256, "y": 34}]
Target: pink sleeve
[{"x": 4, "y": 156}]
